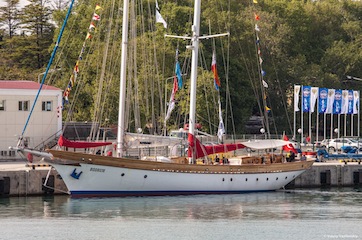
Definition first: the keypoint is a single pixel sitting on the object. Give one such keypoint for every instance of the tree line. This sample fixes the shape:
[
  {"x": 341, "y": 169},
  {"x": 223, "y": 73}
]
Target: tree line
[{"x": 313, "y": 43}]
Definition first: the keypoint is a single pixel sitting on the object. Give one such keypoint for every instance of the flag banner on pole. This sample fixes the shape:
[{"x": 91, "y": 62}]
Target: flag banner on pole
[
  {"x": 296, "y": 97},
  {"x": 306, "y": 98},
  {"x": 330, "y": 101},
  {"x": 214, "y": 70},
  {"x": 350, "y": 102},
  {"x": 337, "y": 104},
  {"x": 159, "y": 18},
  {"x": 344, "y": 107},
  {"x": 171, "y": 104},
  {"x": 322, "y": 100},
  {"x": 355, "y": 102},
  {"x": 313, "y": 98},
  {"x": 221, "y": 129}
]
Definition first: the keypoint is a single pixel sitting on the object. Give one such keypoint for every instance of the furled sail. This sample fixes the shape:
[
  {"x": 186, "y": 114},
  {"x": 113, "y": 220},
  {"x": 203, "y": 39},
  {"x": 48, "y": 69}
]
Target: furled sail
[{"x": 63, "y": 142}]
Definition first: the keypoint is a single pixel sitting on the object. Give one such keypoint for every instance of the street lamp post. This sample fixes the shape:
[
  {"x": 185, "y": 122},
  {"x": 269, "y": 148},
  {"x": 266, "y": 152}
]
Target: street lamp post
[{"x": 300, "y": 131}]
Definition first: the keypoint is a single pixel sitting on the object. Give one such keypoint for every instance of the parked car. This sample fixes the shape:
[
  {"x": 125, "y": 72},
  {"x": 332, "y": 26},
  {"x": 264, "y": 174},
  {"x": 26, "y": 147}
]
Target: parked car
[{"x": 338, "y": 143}]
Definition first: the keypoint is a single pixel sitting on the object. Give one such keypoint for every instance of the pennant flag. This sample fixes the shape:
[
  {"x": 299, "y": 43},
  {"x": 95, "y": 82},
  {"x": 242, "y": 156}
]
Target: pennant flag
[
  {"x": 344, "y": 109},
  {"x": 257, "y": 40},
  {"x": 322, "y": 100},
  {"x": 72, "y": 80},
  {"x": 88, "y": 36},
  {"x": 96, "y": 17},
  {"x": 337, "y": 104},
  {"x": 160, "y": 19},
  {"x": 98, "y": 7},
  {"x": 330, "y": 101},
  {"x": 214, "y": 70},
  {"x": 263, "y": 73},
  {"x": 178, "y": 71},
  {"x": 76, "y": 67},
  {"x": 257, "y": 18},
  {"x": 306, "y": 98},
  {"x": 171, "y": 104},
  {"x": 267, "y": 109},
  {"x": 257, "y": 28},
  {"x": 355, "y": 102},
  {"x": 296, "y": 97},
  {"x": 313, "y": 98},
  {"x": 221, "y": 128},
  {"x": 260, "y": 60},
  {"x": 255, "y": 1},
  {"x": 92, "y": 26},
  {"x": 178, "y": 74},
  {"x": 350, "y": 102},
  {"x": 265, "y": 84}
]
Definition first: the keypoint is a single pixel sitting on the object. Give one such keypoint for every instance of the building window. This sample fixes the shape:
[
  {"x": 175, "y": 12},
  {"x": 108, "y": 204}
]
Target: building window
[
  {"x": 46, "y": 106},
  {"x": 24, "y": 105},
  {"x": 2, "y": 105}
]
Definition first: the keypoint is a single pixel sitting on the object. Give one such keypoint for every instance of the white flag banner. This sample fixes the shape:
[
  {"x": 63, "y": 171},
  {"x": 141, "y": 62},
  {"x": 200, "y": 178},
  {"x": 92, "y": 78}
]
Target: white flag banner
[
  {"x": 313, "y": 97},
  {"x": 355, "y": 102},
  {"x": 330, "y": 100},
  {"x": 265, "y": 84},
  {"x": 296, "y": 97},
  {"x": 221, "y": 129},
  {"x": 344, "y": 109},
  {"x": 159, "y": 19},
  {"x": 171, "y": 104}
]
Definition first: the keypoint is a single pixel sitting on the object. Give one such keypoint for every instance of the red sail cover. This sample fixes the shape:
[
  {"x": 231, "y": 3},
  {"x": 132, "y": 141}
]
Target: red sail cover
[
  {"x": 63, "y": 142},
  {"x": 202, "y": 150}
]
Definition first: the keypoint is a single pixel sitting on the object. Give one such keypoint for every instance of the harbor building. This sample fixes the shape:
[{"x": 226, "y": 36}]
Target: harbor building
[{"x": 16, "y": 101}]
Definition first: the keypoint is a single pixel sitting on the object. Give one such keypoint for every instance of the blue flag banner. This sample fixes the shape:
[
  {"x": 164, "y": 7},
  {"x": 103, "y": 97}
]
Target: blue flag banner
[
  {"x": 337, "y": 105},
  {"x": 178, "y": 74},
  {"x": 306, "y": 98},
  {"x": 350, "y": 102},
  {"x": 322, "y": 100}
]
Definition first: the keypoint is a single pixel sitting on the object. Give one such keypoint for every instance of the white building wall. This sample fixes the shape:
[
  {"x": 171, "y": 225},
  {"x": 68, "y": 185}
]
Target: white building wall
[{"x": 42, "y": 124}]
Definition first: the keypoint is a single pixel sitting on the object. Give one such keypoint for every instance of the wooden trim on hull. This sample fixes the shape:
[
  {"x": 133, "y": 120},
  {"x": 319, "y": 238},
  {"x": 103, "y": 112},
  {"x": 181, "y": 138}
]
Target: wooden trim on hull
[{"x": 72, "y": 158}]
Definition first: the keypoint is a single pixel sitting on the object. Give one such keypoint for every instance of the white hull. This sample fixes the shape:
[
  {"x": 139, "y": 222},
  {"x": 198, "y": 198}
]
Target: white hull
[{"x": 99, "y": 180}]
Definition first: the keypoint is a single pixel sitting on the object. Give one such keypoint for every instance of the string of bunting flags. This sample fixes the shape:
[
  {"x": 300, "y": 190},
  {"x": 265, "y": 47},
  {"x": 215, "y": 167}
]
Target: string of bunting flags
[
  {"x": 262, "y": 72},
  {"x": 91, "y": 29}
]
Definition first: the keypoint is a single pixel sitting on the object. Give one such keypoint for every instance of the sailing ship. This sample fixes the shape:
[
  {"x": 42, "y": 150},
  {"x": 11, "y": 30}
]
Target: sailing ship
[{"x": 88, "y": 175}]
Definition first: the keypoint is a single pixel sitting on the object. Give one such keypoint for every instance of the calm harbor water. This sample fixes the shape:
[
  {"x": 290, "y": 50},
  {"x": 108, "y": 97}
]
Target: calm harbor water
[{"x": 295, "y": 214}]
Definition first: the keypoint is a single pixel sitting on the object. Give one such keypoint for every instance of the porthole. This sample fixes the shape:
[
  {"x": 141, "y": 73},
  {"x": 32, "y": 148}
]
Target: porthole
[
  {"x": 246, "y": 179},
  {"x": 122, "y": 174},
  {"x": 145, "y": 176},
  {"x": 223, "y": 179},
  {"x": 277, "y": 178},
  {"x": 231, "y": 179},
  {"x": 286, "y": 177},
  {"x": 257, "y": 179},
  {"x": 267, "y": 179}
]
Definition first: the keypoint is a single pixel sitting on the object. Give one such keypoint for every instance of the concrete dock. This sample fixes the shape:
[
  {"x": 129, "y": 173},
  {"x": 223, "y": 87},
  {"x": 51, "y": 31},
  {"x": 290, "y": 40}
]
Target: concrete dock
[{"x": 19, "y": 178}]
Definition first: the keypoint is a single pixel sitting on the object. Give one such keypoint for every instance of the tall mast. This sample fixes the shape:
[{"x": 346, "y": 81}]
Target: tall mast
[
  {"x": 122, "y": 85},
  {"x": 194, "y": 62}
]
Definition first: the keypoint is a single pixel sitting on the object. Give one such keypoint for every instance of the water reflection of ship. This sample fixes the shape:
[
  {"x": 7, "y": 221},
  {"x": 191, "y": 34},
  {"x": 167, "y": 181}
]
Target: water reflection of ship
[{"x": 204, "y": 207}]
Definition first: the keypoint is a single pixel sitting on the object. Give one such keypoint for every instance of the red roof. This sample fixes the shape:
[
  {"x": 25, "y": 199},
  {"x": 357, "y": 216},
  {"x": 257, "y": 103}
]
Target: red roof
[{"x": 7, "y": 84}]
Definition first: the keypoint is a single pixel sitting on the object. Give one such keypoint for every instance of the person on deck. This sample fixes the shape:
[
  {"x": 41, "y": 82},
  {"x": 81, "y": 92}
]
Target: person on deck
[
  {"x": 217, "y": 159},
  {"x": 292, "y": 156}
]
